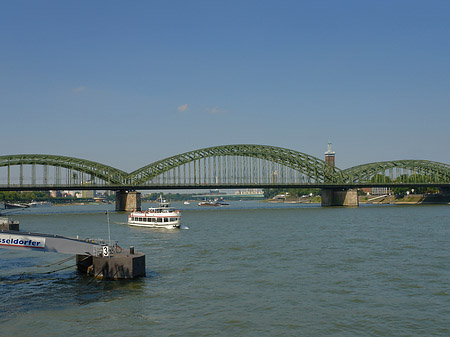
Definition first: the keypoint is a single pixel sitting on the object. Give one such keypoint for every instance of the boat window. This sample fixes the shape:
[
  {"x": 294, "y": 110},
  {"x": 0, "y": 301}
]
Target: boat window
[
  {"x": 166, "y": 219},
  {"x": 159, "y": 220}
]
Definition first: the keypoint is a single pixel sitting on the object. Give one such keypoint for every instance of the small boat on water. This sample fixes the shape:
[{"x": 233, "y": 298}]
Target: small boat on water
[
  {"x": 186, "y": 203},
  {"x": 163, "y": 216},
  {"x": 215, "y": 202},
  {"x": 10, "y": 205},
  {"x": 40, "y": 204}
]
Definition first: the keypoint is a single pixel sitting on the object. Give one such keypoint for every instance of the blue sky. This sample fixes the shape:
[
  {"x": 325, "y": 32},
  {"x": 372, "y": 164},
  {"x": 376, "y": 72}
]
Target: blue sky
[{"x": 126, "y": 83}]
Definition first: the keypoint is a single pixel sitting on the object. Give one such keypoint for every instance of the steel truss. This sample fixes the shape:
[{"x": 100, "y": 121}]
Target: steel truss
[{"x": 224, "y": 166}]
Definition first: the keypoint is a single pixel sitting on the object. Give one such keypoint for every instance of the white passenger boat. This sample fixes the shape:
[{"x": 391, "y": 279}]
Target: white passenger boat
[{"x": 163, "y": 216}]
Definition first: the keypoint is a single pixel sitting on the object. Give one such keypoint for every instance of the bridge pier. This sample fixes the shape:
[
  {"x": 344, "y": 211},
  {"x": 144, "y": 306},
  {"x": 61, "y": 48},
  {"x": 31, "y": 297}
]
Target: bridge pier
[
  {"x": 331, "y": 197},
  {"x": 128, "y": 201},
  {"x": 445, "y": 191}
]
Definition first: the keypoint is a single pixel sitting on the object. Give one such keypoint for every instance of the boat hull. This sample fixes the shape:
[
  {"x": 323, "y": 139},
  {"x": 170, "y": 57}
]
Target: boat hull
[{"x": 155, "y": 225}]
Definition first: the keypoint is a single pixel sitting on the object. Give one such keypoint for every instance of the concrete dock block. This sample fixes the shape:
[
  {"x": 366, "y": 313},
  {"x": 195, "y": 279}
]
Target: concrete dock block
[{"x": 115, "y": 267}]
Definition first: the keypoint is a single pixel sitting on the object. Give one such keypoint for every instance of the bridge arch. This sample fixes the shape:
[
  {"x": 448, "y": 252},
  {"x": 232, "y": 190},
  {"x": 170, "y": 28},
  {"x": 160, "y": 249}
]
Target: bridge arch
[
  {"x": 108, "y": 174},
  {"x": 225, "y": 166},
  {"x": 262, "y": 162},
  {"x": 414, "y": 171}
]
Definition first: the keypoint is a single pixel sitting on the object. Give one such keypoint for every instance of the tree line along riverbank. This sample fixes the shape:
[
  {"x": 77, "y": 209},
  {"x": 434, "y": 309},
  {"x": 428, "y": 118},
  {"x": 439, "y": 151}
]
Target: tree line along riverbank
[{"x": 270, "y": 195}]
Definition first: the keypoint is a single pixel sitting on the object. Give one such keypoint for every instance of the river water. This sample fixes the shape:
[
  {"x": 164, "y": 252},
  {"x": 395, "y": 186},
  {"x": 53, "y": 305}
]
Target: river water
[{"x": 247, "y": 269}]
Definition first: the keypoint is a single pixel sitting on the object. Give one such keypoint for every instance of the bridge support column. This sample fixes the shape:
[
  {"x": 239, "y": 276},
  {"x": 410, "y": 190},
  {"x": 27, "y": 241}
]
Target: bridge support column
[
  {"x": 444, "y": 191},
  {"x": 128, "y": 201},
  {"x": 332, "y": 197}
]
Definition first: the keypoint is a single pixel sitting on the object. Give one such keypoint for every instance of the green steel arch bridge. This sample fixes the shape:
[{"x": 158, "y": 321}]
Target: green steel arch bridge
[{"x": 227, "y": 166}]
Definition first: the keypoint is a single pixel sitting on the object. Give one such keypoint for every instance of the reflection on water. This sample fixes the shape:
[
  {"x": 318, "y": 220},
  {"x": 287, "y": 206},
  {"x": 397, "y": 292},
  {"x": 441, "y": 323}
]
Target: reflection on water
[
  {"x": 248, "y": 269},
  {"x": 49, "y": 291}
]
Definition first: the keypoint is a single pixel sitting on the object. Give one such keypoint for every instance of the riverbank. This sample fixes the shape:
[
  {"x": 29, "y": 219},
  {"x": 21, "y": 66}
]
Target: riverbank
[{"x": 412, "y": 199}]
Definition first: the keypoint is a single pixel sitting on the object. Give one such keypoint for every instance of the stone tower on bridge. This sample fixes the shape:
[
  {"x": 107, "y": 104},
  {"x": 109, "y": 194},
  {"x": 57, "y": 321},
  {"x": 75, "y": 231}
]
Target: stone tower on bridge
[
  {"x": 330, "y": 156},
  {"x": 336, "y": 197}
]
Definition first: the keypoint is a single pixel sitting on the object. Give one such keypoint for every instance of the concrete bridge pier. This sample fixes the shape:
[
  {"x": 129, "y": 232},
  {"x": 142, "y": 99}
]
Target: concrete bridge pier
[
  {"x": 332, "y": 197},
  {"x": 445, "y": 191},
  {"x": 128, "y": 201}
]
